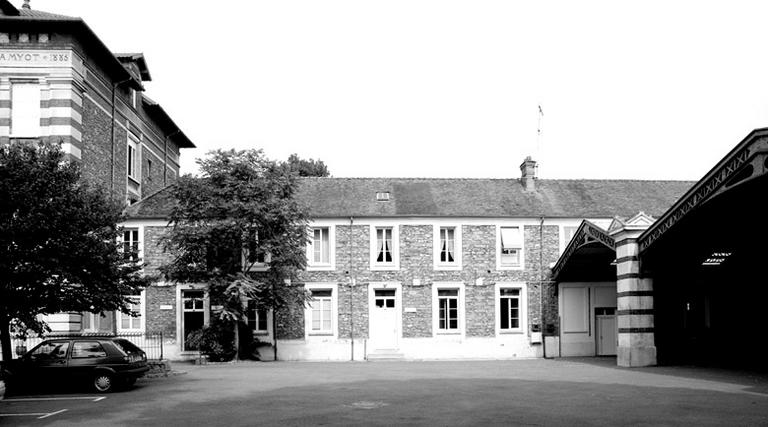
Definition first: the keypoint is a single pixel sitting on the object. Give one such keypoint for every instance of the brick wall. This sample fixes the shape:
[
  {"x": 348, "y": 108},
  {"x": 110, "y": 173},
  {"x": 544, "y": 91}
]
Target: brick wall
[
  {"x": 158, "y": 319},
  {"x": 416, "y": 262}
]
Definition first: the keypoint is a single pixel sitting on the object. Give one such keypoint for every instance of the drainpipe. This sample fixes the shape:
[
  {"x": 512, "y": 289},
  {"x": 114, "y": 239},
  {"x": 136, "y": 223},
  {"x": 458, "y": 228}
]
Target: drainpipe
[
  {"x": 112, "y": 139},
  {"x": 351, "y": 290},
  {"x": 541, "y": 287}
]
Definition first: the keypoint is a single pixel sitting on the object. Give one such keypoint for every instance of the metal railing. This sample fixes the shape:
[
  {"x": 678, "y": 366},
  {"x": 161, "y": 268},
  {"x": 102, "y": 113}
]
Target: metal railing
[{"x": 150, "y": 342}]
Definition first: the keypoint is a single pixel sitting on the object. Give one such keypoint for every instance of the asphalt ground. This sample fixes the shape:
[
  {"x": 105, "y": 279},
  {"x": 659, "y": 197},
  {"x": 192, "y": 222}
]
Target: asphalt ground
[{"x": 588, "y": 391}]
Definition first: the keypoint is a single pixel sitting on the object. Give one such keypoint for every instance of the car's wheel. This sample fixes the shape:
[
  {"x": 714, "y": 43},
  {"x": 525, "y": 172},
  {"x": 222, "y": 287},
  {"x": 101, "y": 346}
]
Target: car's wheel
[{"x": 103, "y": 382}]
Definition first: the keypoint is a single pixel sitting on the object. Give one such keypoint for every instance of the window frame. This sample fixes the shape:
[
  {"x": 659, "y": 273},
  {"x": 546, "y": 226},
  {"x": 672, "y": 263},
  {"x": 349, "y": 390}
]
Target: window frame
[
  {"x": 499, "y": 264},
  {"x": 133, "y": 168},
  {"x": 437, "y": 247},
  {"x": 267, "y": 331},
  {"x": 461, "y": 312},
  {"x": 563, "y": 241},
  {"x": 257, "y": 266},
  {"x": 142, "y": 299},
  {"x": 321, "y": 266},
  {"x": 522, "y": 307},
  {"x": 385, "y": 266},
  {"x": 333, "y": 332},
  {"x": 30, "y": 125}
]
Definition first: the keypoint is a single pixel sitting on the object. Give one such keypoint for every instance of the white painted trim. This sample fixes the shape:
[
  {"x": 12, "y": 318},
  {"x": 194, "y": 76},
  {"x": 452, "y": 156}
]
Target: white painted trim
[
  {"x": 500, "y": 267},
  {"x": 71, "y": 149},
  {"x": 140, "y": 222},
  {"x": 334, "y": 333},
  {"x": 398, "y": 287},
  {"x": 395, "y": 264},
  {"x": 331, "y": 247},
  {"x": 523, "y": 329},
  {"x": 461, "y": 306},
  {"x": 143, "y": 319},
  {"x": 457, "y": 246}
]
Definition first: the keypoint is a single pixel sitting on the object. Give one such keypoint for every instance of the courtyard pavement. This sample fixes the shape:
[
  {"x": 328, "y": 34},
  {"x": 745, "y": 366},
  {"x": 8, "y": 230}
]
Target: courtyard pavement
[{"x": 589, "y": 391}]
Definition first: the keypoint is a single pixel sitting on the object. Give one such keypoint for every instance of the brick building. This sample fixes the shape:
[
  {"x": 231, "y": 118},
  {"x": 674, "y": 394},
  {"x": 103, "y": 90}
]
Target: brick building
[
  {"x": 60, "y": 84},
  {"x": 417, "y": 268}
]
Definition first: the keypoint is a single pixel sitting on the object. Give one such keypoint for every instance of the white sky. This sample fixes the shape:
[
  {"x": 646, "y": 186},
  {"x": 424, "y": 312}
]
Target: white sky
[{"x": 641, "y": 90}]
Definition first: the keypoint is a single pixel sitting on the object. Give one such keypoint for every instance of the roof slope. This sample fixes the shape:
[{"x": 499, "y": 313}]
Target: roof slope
[{"x": 426, "y": 197}]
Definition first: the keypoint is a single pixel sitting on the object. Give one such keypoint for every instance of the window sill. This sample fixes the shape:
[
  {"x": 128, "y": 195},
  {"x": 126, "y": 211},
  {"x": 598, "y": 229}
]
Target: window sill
[
  {"x": 385, "y": 267},
  {"x": 447, "y": 267},
  {"x": 320, "y": 334},
  {"x": 450, "y": 334},
  {"x": 321, "y": 267},
  {"x": 260, "y": 333},
  {"x": 511, "y": 332},
  {"x": 509, "y": 267}
]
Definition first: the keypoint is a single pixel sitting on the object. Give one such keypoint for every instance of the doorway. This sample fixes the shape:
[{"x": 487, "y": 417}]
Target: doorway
[
  {"x": 384, "y": 319},
  {"x": 606, "y": 332},
  {"x": 193, "y": 317}
]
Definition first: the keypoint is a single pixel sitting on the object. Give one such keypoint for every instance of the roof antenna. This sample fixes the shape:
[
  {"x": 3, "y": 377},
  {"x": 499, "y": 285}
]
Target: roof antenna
[
  {"x": 539, "y": 134},
  {"x": 26, "y": 5}
]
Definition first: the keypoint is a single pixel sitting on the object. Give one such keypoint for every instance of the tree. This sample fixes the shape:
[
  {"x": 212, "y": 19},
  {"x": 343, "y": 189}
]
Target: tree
[
  {"x": 59, "y": 249},
  {"x": 240, "y": 212},
  {"x": 303, "y": 167}
]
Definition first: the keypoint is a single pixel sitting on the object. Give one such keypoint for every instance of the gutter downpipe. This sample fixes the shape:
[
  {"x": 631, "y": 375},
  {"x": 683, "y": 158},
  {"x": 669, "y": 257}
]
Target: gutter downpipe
[
  {"x": 541, "y": 287},
  {"x": 112, "y": 138},
  {"x": 351, "y": 290}
]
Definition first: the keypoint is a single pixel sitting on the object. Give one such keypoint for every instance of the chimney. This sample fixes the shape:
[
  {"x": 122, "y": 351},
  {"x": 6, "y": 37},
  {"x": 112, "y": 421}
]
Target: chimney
[{"x": 528, "y": 178}]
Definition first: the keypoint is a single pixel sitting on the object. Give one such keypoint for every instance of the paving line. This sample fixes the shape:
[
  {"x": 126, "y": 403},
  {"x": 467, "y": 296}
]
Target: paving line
[
  {"x": 35, "y": 414},
  {"x": 36, "y": 399},
  {"x": 52, "y": 413}
]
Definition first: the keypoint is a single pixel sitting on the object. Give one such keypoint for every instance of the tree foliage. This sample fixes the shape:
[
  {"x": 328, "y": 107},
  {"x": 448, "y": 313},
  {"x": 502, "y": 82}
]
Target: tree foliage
[
  {"x": 239, "y": 213},
  {"x": 58, "y": 242},
  {"x": 306, "y": 167}
]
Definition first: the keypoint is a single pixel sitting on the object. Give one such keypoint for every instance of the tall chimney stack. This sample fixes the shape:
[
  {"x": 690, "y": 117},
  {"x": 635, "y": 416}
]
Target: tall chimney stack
[
  {"x": 528, "y": 169},
  {"x": 26, "y": 5}
]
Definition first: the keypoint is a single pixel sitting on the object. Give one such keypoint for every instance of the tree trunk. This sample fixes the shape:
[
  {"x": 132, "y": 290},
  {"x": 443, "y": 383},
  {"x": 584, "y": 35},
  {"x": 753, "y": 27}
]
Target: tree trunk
[
  {"x": 237, "y": 340},
  {"x": 5, "y": 337}
]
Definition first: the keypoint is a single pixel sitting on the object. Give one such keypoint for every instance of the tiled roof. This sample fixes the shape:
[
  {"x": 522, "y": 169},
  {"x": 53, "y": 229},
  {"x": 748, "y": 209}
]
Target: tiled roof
[
  {"x": 427, "y": 197},
  {"x": 40, "y": 15}
]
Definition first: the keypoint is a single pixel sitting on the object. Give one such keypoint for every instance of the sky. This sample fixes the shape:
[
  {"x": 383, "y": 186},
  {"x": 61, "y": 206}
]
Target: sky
[{"x": 447, "y": 88}]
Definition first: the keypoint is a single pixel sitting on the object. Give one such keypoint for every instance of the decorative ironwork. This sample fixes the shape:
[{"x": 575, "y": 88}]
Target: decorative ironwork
[
  {"x": 586, "y": 234},
  {"x": 753, "y": 149}
]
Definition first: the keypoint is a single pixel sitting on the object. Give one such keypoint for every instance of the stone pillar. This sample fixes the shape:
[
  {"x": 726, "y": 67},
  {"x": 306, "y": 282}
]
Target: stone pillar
[{"x": 635, "y": 304}]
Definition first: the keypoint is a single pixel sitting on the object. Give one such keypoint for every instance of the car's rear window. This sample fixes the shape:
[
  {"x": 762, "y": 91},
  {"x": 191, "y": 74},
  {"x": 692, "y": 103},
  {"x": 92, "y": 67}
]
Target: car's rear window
[
  {"x": 126, "y": 346},
  {"x": 87, "y": 349}
]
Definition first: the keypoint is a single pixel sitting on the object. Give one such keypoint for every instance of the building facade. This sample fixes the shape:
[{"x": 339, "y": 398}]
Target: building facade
[
  {"x": 60, "y": 84},
  {"x": 415, "y": 268}
]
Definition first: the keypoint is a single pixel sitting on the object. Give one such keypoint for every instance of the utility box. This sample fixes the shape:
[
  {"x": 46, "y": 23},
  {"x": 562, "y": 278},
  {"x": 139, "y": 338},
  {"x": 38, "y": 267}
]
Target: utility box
[{"x": 535, "y": 337}]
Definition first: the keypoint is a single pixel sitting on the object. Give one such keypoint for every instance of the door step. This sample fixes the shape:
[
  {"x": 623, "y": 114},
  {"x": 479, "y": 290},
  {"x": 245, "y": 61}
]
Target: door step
[{"x": 383, "y": 355}]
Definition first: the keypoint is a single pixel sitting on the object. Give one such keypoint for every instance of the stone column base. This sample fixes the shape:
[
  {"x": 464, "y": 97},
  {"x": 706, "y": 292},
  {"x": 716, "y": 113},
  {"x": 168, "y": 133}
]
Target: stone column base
[{"x": 632, "y": 357}]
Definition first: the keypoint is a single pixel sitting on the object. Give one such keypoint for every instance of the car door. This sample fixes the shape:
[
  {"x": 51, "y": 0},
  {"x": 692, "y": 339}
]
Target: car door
[
  {"x": 86, "y": 356},
  {"x": 47, "y": 363}
]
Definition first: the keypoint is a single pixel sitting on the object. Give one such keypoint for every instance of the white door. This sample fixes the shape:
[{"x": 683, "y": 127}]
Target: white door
[
  {"x": 607, "y": 335},
  {"x": 384, "y": 330}
]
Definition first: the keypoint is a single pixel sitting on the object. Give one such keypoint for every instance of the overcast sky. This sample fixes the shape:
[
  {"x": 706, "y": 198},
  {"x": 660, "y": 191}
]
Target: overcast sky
[{"x": 640, "y": 90}]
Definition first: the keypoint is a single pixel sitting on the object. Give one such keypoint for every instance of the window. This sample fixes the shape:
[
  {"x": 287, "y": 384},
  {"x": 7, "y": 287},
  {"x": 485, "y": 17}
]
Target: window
[
  {"x": 319, "y": 251},
  {"x": 509, "y": 309},
  {"x": 448, "y": 308},
  {"x": 568, "y": 233},
  {"x": 321, "y": 309},
  {"x": 254, "y": 258},
  {"x": 133, "y": 162},
  {"x": 257, "y": 318},
  {"x": 384, "y": 252},
  {"x": 51, "y": 350},
  {"x": 127, "y": 322},
  {"x": 96, "y": 322},
  {"x": 87, "y": 349},
  {"x": 447, "y": 247},
  {"x": 131, "y": 243},
  {"x": 134, "y": 98},
  {"x": 25, "y": 110},
  {"x": 510, "y": 247}
]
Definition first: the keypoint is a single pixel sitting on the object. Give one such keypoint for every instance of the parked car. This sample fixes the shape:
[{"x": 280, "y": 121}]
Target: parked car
[{"x": 102, "y": 362}]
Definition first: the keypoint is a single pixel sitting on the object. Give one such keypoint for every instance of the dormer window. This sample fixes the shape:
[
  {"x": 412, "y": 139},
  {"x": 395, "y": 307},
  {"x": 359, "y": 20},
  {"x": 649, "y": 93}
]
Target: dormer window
[{"x": 382, "y": 196}]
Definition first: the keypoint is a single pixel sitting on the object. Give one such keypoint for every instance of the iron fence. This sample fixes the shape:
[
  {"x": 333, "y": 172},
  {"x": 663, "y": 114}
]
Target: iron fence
[{"x": 150, "y": 342}]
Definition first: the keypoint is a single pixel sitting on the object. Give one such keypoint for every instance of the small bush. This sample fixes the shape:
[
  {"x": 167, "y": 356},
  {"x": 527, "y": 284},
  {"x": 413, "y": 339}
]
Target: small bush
[{"x": 215, "y": 341}]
